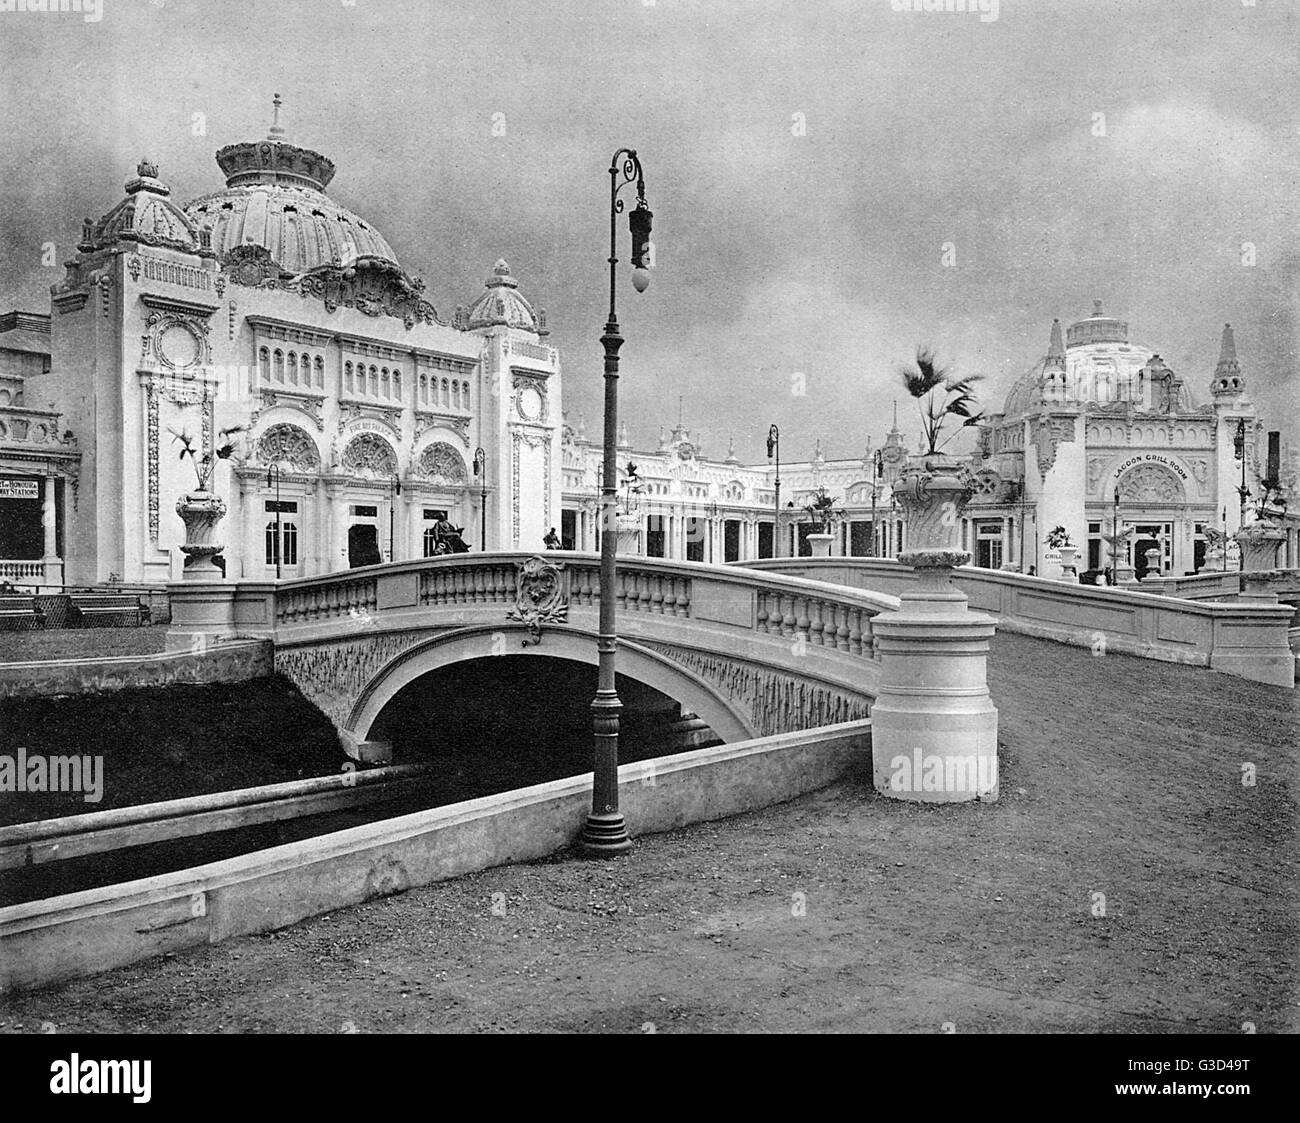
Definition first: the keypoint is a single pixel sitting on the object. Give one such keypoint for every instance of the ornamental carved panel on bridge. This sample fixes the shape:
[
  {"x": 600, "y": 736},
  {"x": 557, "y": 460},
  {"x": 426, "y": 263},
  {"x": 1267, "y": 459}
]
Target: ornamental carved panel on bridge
[
  {"x": 333, "y": 675},
  {"x": 776, "y": 701}
]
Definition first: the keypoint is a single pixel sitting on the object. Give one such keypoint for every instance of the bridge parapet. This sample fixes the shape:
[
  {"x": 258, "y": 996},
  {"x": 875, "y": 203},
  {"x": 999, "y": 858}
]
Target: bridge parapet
[
  {"x": 752, "y": 654},
  {"x": 805, "y": 612}
]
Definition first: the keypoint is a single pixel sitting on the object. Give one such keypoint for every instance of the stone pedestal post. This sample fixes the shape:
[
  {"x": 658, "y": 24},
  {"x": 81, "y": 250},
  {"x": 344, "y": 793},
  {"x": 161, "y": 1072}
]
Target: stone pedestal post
[
  {"x": 821, "y": 544},
  {"x": 1259, "y": 543},
  {"x": 934, "y": 726}
]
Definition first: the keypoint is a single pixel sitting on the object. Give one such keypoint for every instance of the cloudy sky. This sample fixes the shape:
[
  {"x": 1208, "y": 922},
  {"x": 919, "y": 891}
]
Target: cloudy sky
[{"x": 807, "y": 163}]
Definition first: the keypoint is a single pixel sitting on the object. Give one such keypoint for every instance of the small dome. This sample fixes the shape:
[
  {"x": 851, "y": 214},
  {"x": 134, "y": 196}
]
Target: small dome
[
  {"x": 502, "y": 303},
  {"x": 147, "y": 215},
  {"x": 275, "y": 198}
]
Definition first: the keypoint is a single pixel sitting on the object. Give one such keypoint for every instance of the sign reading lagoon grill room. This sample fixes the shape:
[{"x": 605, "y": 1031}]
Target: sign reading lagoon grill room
[
  {"x": 1152, "y": 458},
  {"x": 19, "y": 489}
]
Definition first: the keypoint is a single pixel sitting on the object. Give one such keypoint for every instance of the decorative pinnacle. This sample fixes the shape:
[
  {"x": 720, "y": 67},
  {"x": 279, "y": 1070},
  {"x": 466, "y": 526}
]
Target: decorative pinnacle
[
  {"x": 1055, "y": 347},
  {"x": 1228, "y": 346},
  {"x": 276, "y": 132}
]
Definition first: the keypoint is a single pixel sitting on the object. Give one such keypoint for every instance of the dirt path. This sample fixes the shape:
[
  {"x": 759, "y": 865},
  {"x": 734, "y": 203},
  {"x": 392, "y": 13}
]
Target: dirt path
[{"x": 841, "y": 910}]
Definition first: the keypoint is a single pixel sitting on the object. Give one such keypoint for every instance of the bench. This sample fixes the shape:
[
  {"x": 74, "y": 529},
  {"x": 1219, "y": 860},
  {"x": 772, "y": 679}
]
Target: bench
[
  {"x": 108, "y": 610},
  {"x": 20, "y": 613}
]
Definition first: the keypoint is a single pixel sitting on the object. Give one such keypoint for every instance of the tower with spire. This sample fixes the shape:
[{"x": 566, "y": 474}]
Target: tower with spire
[{"x": 1231, "y": 407}]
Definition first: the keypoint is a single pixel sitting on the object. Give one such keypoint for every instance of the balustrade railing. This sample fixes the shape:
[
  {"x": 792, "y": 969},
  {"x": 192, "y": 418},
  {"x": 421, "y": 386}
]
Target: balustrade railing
[
  {"x": 345, "y": 596},
  {"x": 26, "y": 571},
  {"x": 822, "y": 621},
  {"x": 826, "y": 620}
]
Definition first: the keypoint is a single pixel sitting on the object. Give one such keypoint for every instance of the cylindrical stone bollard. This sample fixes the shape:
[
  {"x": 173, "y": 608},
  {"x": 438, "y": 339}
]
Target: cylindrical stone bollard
[{"x": 934, "y": 726}]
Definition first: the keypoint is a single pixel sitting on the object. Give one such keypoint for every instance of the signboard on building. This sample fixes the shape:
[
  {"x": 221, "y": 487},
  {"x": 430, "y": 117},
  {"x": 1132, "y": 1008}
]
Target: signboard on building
[{"x": 20, "y": 489}]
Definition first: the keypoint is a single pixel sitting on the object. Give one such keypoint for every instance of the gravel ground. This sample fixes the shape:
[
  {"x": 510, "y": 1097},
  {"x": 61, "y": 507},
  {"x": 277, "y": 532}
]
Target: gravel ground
[{"x": 1128, "y": 880}]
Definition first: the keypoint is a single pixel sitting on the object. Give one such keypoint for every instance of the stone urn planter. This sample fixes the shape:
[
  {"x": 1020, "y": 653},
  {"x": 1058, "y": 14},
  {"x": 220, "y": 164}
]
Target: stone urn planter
[
  {"x": 933, "y": 492},
  {"x": 1259, "y": 543},
  {"x": 1154, "y": 558},
  {"x": 821, "y": 544},
  {"x": 1069, "y": 559},
  {"x": 200, "y": 511},
  {"x": 629, "y": 535}
]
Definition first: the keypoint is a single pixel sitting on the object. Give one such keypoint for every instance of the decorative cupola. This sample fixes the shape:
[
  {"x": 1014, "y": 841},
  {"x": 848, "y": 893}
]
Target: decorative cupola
[
  {"x": 146, "y": 216},
  {"x": 1228, "y": 381},
  {"x": 502, "y": 304},
  {"x": 1097, "y": 328}
]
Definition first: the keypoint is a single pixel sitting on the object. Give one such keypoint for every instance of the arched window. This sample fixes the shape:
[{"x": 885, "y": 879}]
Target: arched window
[
  {"x": 464, "y": 395},
  {"x": 374, "y": 381},
  {"x": 347, "y": 377},
  {"x": 293, "y": 367},
  {"x": 397, "y": 383},
  {"x": 446, "y": 393},
  {"x": 430, "y": 542},
  {"x": 263, "y": 364},
  {"x": 424, "y": 389},
  {"x": 383, "y": 383},
  {"x": 320, "y": 373},
  {"x": 278, "y": 373}
]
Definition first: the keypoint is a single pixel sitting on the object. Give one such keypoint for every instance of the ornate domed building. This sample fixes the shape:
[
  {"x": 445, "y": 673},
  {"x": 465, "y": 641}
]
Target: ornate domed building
[
  {"x": 1100, "y": 427},
  {"x": 269, "y": 310}
]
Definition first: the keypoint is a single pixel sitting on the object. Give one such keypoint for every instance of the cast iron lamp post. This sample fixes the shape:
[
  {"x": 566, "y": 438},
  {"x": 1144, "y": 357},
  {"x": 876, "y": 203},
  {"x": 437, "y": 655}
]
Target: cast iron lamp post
[
  {"x": 877, "y": 474},
  {"x": 774, "y": 447},
  {"x": 392, "y": 509},
  {"x": 480, "y": 470},
  {"x": 1114, "y": 564},
  {"x": 605, "y": 832}
]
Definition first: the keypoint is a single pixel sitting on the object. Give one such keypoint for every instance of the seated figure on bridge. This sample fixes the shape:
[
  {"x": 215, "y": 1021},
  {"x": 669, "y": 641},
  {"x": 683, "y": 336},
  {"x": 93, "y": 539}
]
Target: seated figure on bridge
[{"x": 447, "y": 539}]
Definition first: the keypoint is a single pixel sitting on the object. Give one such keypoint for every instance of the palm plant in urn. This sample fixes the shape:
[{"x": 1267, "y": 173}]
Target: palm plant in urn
[
  {"x": 934, "y": 488},
  {"x": 200, "y": 510}
]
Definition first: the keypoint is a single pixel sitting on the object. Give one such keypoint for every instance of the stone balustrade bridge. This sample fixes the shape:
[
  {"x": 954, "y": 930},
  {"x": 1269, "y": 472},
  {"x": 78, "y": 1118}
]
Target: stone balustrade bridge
[{"x": 750, "y": 654}]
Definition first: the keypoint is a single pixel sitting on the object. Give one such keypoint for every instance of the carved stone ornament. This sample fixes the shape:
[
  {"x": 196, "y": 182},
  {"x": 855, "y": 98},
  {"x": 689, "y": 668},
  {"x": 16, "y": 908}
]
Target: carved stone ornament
[
  {"x": 541, "y": 597},
  {"x": 442, "y": 464},
  {"x": 287, "y": 444},
  {"x": 369, "y": 452},
  {"x": 376, "y": 288},
  {"x": 1049, "y": 432},
  {"x": 1150, "y": 483}
]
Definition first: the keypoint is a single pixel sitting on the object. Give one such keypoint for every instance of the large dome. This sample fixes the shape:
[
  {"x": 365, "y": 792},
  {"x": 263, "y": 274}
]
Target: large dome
[
  {"x": 275, "y": 198},
  {"x": 1101, "y": 368}
]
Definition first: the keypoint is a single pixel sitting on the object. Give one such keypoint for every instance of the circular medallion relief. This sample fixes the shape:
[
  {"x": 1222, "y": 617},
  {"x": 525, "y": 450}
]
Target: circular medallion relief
[
  {"x": 529, "y": 403},
  {"x": 177, "y": 346}
]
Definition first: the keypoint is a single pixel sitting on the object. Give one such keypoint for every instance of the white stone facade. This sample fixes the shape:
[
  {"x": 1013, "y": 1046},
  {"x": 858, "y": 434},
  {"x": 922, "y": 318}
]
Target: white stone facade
[{"x": 269, "y": 309}]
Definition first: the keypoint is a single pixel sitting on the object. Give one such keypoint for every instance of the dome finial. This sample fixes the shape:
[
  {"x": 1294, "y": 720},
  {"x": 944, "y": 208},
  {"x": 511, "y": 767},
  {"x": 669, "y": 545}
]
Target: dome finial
[
  {"x": 1096, "y": 307},
  {"x": 276, "y": 131}
]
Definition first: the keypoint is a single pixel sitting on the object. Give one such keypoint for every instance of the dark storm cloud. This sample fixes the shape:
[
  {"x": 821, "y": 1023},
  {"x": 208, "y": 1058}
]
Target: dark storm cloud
[{"x": 806, "y": 163}]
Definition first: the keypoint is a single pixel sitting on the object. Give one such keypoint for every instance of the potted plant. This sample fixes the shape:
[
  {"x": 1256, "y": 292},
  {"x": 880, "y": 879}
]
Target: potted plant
[
  {"x": 200, "y": 510},
  {"x": 822, "y": 513},
  {"x": 1260, "y": 540},
  {"x": 1058, "y": 539},
  {"x": 935, "y": 488}
]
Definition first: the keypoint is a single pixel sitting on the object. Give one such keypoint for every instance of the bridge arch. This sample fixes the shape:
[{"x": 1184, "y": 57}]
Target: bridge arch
[{"x": 559, "y": 642}]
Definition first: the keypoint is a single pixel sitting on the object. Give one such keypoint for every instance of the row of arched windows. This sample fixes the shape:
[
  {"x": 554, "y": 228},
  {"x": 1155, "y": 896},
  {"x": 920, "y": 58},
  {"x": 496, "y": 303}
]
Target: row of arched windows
[
  {"x": 372, "y": 381},
  {"x": 292, "y": 368},
  {"x": 451, "y": 392}
]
